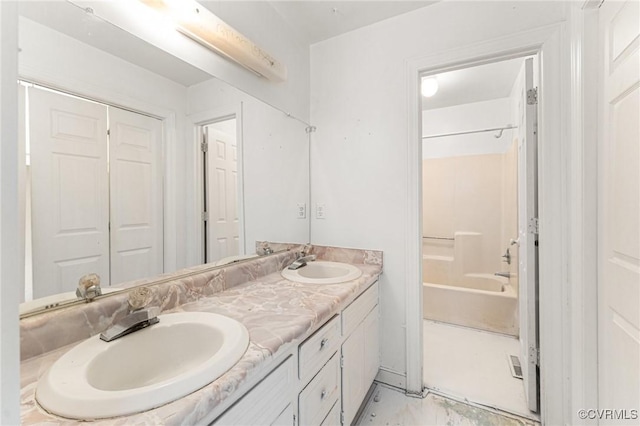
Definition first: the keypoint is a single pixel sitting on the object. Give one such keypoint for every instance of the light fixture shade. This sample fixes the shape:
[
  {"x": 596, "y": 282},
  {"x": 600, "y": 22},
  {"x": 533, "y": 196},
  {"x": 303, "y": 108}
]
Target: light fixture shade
[
  {"x": 429, "y": 87},
  {"x": 198, "y": 23}
]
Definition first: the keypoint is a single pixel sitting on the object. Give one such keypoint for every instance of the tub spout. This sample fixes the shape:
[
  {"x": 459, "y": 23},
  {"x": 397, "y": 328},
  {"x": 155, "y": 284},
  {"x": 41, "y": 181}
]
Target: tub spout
[{"x": 503, "y": 274}]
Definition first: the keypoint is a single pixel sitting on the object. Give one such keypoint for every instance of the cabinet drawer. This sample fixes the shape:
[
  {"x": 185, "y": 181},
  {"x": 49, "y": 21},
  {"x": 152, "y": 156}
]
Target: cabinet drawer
[
  {"x": 333, "y": 418},
  {"x": 356, "y": 312},
  {"x": 317, "y": 349},
  {"x": 316, "y": 400}
]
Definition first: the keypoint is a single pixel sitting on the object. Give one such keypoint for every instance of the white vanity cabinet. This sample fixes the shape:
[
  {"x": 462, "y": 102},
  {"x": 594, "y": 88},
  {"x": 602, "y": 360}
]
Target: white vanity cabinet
[
  {"x": 360, "y": 351},
  {"x": 324, "y": 380}
]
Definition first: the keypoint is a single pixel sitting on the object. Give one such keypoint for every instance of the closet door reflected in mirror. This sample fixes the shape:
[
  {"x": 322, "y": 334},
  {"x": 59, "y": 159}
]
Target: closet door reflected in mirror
[{"x": 94, "y": 191}]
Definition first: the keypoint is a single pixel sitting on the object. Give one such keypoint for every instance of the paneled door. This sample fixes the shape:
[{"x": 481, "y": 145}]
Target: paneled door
[
  {"x": 528, "y": 238},
  {"x": 135, "y": 159},
  {"x": 223, "y": 225},
  {"x": 70, "y": 192},
  {"x": 619, "y": 207}
]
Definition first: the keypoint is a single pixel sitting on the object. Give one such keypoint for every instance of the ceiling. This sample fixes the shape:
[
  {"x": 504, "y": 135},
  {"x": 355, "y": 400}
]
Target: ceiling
[
  {"x": 319, "y": 20},
  {"x": 73, "y": 21},
  {"x": 475, "y": 84},
  {"x": 311, "y": 20}
]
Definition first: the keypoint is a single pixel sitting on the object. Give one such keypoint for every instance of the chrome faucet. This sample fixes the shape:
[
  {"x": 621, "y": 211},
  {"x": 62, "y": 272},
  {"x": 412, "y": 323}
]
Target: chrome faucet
[
  {"x": 503, "y": 274},
  {"x": 137, "y": 318},
  {"x": 302, "y": 261},
  {"x": 507, "y": 257},
  {"x": 89, "y": 287}
]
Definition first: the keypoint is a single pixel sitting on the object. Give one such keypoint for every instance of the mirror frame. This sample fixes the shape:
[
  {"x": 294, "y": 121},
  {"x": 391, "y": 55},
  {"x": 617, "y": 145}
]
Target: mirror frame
[{"x": 126, "y": 286}]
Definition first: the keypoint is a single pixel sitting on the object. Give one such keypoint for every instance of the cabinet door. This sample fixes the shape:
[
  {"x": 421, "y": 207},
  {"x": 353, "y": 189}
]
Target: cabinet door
[
  {"x": 285, "y": 418},
  {"x": 353, "y": 372},
  {"x": 267, "y": 402},
  {"x": 360, "y": 362},
  {"x": 371, "y": 347}
]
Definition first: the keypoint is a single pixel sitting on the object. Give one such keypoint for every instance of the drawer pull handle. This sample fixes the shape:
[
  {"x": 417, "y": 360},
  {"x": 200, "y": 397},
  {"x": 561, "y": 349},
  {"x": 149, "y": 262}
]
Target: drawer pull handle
[
  {"x": 323, "y": 343},
  {"x": 323, "y": 394}
]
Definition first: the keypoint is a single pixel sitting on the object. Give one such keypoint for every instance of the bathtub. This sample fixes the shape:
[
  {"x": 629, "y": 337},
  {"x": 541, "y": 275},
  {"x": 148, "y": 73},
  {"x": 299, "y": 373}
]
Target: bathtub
[{"x": 482, "y": 301}]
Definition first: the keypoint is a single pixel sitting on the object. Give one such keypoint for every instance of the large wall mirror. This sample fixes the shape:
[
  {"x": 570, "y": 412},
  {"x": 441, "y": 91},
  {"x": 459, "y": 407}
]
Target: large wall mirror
[{"x": 137, "y": 163}]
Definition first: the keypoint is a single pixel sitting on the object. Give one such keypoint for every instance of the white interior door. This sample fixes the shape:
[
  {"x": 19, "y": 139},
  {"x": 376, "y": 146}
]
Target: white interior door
[
  {"x": 223, "y": 227},
  {"x": 528, "y": 238},
  {"x": 135, "y": 159},
  {"x": 70, "y": 205},
  {"x": 618, "y": 208}
]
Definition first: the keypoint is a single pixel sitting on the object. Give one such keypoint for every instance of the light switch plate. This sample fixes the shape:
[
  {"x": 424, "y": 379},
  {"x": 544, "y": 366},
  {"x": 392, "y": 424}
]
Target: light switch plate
[{"x": 320, "y": 211}]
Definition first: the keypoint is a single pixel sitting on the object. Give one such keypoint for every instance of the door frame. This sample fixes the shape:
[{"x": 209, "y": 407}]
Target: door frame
[
  {"x": 560, "y": 147},
  {"x": 195, "y": 123}
]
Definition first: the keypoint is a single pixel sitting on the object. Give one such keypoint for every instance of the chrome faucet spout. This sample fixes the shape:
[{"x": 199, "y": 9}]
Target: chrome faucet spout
[
  {"x": 302, "y": 261},
  {"x": 135, "y": 321},
  {"x": 503, "y": 274}
]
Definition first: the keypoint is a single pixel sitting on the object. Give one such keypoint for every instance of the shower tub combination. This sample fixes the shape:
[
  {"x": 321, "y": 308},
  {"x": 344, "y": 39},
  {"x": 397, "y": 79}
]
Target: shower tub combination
[{"x": 482, "y": 301}]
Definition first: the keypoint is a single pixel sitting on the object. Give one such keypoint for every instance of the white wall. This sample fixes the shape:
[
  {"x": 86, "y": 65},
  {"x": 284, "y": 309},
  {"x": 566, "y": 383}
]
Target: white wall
[
  {"x": 257, "y": 20},
  {"x": 358, "y": 103},
  {"x": 275, "y": 151},
  {"x": 54, "y": 59},
  {"x": 489, "y": 114}
]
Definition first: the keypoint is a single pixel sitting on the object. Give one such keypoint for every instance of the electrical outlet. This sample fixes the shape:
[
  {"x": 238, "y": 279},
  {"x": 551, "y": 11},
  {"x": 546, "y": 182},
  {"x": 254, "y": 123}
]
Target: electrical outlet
[
  {"x": 302, "y": 210},
  {"x": 320, "y": 211}
]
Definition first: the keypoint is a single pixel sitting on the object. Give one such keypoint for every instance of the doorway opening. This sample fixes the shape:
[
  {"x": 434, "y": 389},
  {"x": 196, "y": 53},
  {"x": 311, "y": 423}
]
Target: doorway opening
[
  {"x": 479, "y": 241},
  {"x": 222, "y": 232}
]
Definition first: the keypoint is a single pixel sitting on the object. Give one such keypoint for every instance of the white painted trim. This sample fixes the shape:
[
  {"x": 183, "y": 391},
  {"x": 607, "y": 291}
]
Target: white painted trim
[
  {"x": 550, "y": 42},
  {"x": 45, "y": 77},
  {"x": 11, "y": 258},
  {"x": 194, "y": 158},
  {"x": 413, "y": 232},
  {"x": 391, "y": 378},
  {"x": 583, "y": 165}
]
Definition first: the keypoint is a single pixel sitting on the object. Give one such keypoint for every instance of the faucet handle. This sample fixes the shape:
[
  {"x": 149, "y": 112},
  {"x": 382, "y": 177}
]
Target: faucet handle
[
  {"x": 89, "y": 287},
  {"x": 139, "y": 297}
]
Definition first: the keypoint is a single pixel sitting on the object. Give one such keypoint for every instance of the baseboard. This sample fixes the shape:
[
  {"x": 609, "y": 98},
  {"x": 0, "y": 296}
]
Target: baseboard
[{"x": 392, "y": 378}]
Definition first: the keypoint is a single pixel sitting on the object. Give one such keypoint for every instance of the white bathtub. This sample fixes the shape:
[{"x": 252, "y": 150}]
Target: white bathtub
[{"x": 481, "y": 301}]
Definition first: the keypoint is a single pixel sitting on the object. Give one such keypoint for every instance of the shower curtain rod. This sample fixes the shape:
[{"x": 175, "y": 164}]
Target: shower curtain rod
[{"x": 500, "y": 129}]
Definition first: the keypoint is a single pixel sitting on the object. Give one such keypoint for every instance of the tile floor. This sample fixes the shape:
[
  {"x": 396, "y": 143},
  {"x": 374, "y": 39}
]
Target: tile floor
[
  {"x": 472, "y": 365},
  {"x": 390, "y": 406}
]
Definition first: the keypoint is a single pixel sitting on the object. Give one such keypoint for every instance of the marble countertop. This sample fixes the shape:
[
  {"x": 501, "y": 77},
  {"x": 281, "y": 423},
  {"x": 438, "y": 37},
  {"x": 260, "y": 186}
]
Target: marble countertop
[{"x": 274, "y": 310}]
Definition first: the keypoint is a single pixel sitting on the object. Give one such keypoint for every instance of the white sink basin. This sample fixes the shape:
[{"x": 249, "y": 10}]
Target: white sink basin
[
  {"x": 142, "y": 370},
  {"x": 321, "y": 272}
]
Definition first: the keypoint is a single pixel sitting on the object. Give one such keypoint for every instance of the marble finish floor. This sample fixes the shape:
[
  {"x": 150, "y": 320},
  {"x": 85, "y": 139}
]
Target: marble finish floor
[
  {"x": 390, "y": 406},
  {"x": 472, "y": 365}
]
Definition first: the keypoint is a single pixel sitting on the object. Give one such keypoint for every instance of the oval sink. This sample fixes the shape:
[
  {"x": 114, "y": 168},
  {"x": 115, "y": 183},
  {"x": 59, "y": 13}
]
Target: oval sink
[
  {"x": 321, "y": 272},
  {"x": 144, "y": 369}
]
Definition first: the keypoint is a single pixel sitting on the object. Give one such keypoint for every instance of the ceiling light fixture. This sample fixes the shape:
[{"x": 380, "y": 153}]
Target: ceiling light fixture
[
  {"x": 429, "y": 87},
  {"x": 198, "y": 23}
]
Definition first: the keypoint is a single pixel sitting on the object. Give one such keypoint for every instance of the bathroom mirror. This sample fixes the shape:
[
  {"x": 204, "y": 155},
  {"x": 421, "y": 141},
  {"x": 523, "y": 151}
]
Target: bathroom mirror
[{"x": 137, "y": 163}]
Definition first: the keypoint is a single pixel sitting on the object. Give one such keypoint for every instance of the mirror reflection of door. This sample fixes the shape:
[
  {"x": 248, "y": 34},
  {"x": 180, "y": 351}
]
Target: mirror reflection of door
[
  {"x": 222, "y": 225},
  {"x": 94, "y": 193}
]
